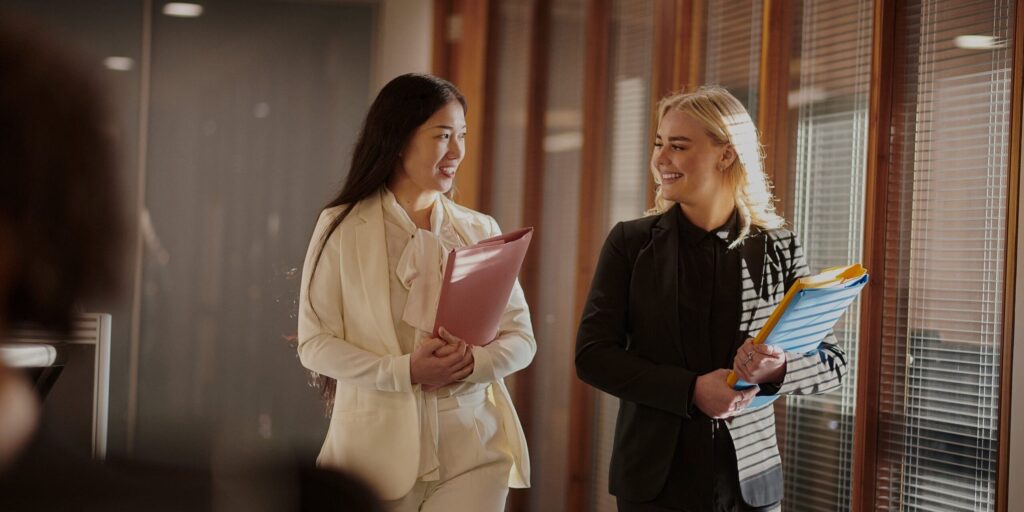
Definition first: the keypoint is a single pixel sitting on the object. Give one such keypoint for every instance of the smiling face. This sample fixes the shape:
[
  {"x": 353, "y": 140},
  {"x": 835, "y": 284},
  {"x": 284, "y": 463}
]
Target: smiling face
[
  {"x": 691, "y": 165},
  {"x": 436, "y": 148}
]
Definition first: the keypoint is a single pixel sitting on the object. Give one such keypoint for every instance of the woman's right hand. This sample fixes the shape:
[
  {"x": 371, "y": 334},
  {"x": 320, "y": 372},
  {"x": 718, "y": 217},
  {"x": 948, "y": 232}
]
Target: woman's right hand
[
  {"x": 715, "y": 397},
  {"x": 436, "y": 363}
]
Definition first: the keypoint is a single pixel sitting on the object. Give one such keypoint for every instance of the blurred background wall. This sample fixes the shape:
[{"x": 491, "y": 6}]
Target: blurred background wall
[{"x": 233, "y": 127}]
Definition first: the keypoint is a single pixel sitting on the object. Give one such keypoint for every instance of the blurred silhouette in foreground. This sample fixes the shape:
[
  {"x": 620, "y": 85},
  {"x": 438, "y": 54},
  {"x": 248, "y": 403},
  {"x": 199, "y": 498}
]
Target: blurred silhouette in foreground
[{"x": 61, "y": 232}]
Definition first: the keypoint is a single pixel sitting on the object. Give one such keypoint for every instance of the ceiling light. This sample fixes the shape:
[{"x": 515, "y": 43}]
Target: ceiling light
[
  {"x": 183, "y": 9},
  {"x": 974, "y": 42},
  {"x": 119, "y": 63}
]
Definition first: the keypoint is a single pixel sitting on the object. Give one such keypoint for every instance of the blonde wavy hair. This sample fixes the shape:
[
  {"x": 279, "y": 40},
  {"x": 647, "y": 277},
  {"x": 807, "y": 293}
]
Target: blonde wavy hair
[{"x": 726, "y": 121}]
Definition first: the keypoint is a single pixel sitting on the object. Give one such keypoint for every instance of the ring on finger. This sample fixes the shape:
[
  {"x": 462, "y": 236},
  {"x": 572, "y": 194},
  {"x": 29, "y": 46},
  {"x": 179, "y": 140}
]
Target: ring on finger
[{"x": 750, "y": 356}]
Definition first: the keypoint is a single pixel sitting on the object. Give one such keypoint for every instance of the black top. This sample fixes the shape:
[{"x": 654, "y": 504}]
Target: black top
[{"x": 710, "y": 288}]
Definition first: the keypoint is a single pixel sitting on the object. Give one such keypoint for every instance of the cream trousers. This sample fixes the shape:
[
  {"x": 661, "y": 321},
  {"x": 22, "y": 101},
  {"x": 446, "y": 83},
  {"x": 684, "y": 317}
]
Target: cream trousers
[{"x": 474, "y": 456}]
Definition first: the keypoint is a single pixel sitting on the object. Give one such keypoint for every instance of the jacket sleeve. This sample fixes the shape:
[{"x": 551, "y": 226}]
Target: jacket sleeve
[
  {"x": 514, "y": 347},
  {"x": 818, "y": 371},
  {"x": 602, "y": 359},
  {"x": 321, "y": 344}
]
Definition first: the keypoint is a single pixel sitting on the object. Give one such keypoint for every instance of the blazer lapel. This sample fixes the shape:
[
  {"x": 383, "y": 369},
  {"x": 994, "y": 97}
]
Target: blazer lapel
[
  {"x": 753, "y": 272},
  {"x": 665, "y": 276},
  {"x": 371, "y": 249},
  {"x": 753, "y": 250}
]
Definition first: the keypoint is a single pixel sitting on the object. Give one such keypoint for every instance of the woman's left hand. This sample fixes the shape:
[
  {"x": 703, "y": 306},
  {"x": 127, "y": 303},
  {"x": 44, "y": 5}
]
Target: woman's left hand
[
  {"x": 467, "y": 360},
  {"x": 760, "y": 363}
]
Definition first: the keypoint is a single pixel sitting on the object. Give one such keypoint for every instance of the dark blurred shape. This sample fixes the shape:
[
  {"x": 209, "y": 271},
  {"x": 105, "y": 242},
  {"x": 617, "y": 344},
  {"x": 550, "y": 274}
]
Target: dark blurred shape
[
  {"x": 49, "y": 477},
  {"x": 58, "y": 185}
]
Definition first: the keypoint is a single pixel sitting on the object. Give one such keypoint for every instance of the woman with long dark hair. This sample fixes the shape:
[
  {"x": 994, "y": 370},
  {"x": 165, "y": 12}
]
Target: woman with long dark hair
[{"x": 428, "y": 422}]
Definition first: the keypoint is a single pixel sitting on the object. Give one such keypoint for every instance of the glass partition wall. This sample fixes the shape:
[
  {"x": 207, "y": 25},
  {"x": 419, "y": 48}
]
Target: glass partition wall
[{"x": 233, "y": 128}]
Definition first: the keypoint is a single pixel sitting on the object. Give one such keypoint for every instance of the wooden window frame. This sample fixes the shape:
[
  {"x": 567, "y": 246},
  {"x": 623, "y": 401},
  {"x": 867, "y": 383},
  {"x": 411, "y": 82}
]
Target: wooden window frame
[
  {"x": 879, "y": 167},
  {"x": 1010, "y": 272}
]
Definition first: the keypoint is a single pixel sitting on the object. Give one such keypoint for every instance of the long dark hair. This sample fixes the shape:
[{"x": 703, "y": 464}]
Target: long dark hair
[{"x": 401, "y": 107}]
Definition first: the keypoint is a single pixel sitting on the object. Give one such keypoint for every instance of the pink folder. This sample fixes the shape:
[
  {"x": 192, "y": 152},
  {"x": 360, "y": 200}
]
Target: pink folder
[{"x": 477, "y": 284}]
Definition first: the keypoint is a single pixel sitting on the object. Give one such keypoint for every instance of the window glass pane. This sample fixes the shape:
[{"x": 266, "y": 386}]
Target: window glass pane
[
  {"x": 828, "y": 104},
  {"x": 732, "y": 42},
  {"x": 629, "y": 114},
  {"x": 942, "y": 329},
  {"x": 512, "y": 37},
  {"x": 251, "y": 123}
]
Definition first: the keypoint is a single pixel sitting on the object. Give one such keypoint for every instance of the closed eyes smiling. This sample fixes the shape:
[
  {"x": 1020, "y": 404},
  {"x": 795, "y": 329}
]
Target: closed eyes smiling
[{"x": 659, "y": 145}]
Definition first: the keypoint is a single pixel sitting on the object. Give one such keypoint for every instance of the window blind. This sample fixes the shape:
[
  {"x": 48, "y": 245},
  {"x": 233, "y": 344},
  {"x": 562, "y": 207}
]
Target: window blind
[
  {"x": 629, "y": 150},
  {"x": 830, "y": 101},
  {"x": 945, "y": 234},
  {"x": 630, "y": 143},
  {"x": 512, "y": 37},
  {"x": 732, "y": 42}
]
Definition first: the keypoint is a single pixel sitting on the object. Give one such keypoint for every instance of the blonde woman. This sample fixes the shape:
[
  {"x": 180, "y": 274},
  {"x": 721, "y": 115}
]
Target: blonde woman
[{"x": 673, "y": 303}]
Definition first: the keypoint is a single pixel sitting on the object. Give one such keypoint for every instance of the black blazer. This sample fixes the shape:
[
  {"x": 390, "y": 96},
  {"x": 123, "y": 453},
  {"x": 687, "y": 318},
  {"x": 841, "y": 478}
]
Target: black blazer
[{"x": 629, "y": 345}]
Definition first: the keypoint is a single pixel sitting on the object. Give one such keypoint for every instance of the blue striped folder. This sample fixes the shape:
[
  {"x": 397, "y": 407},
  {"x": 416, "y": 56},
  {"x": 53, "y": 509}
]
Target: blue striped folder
[{"x": 807, "y": 313}]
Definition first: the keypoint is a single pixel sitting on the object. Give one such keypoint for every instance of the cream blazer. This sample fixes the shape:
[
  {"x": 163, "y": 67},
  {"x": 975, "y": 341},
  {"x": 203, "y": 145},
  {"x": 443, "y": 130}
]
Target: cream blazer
[{"x": 375, "y": 424}]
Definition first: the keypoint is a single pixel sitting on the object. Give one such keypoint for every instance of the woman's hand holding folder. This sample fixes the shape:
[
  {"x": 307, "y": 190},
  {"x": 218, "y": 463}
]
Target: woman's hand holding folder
[
  {"x": 437, "y": 362},
  {"x": 717, "y": 399},
  {"x": 758, "y": 363},
  {"x": 799, "y": 323}
]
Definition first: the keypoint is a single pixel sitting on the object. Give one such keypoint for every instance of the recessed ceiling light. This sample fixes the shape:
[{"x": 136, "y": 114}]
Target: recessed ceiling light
[
  {"x": 807, "y": 96},
  {"x": 119, "y": 63},
  {"x": 975, "y": 42},
  {"x": 183, "y": 9}
]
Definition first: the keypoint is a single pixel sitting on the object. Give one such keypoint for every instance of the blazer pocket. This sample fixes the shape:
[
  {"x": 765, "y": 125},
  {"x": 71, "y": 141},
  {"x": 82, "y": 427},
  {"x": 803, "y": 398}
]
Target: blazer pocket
[{"x": 347, "y": 416}]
